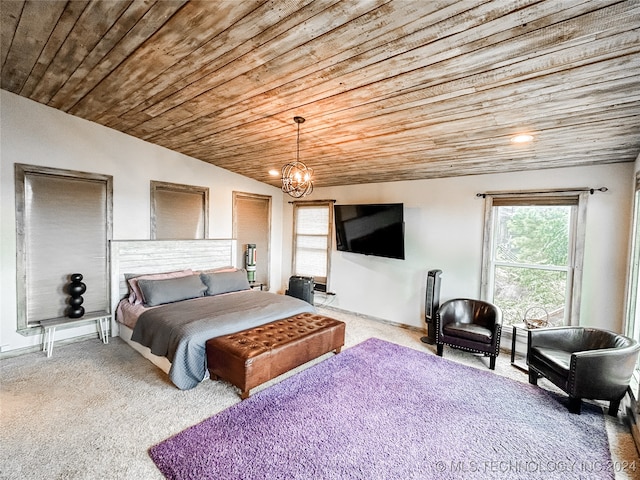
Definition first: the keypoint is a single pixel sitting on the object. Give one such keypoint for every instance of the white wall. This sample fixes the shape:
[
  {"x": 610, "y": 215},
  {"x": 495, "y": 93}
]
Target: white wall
[
  {"x": 38, "y": 135},
  {"x": 444, "y": 227}
]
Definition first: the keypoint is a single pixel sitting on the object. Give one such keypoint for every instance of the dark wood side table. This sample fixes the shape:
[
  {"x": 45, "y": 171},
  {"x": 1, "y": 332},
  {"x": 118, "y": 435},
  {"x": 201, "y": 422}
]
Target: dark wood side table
[{"x": 519, "y": 335}]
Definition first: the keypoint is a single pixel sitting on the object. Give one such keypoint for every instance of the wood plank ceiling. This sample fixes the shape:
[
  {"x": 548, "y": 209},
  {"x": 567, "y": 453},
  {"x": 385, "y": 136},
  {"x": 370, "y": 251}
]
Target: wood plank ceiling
[{"x": 390, "y": 89}]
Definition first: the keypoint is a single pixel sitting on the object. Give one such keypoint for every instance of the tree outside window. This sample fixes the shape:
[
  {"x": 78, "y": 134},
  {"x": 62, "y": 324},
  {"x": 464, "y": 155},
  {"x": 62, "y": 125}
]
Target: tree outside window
[{"x": 532, "y": 250}]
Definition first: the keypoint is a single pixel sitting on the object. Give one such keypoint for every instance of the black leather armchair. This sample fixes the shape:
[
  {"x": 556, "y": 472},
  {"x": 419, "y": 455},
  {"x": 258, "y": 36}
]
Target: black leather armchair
[
  {"x": 583, "y": 362},
  {"x": 471, "y": 325}
]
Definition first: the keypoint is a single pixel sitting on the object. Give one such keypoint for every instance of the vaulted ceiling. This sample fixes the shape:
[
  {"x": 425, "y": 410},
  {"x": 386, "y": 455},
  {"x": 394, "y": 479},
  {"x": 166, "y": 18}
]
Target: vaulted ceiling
[{"x": 390, "y": 89}]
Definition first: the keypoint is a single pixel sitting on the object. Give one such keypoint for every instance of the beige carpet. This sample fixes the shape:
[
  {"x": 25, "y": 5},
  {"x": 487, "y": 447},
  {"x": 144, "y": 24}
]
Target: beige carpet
[{"x": 92, "y": 410}]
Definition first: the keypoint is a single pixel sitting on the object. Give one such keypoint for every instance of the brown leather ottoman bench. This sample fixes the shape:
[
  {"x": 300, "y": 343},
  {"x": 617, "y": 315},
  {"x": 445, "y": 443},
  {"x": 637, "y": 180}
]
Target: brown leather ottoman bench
[{"x": 252, "y": 357}]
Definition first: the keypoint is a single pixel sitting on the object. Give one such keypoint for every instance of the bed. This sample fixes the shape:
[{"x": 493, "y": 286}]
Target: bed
[{"x": 186, "y": 292}]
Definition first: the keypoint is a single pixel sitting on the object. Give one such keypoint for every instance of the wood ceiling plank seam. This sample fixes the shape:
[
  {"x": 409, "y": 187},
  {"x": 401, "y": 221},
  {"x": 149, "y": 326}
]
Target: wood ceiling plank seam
[
  {"x": 423, "y": 162},
  {"x": 65, "y": 24},
  {"x": 150, "y": 23},
  {"x": 252, "y": 99},
  {"x": 10, "y": 13},
  {"x": 514, "y": 61},
  {"x": 559, "y": 85},
  {"x": 31, "y": 35},
  {"x": 584, "y": 58},
  {"x": 249, "y": 148},
  {"x": 160, "y": 88},
  {"x": 457, "y": 3},
  {"x": 421, "y": 159},
  {"x": 483, "y": 133},
  {"x": 518, "y": 101},
  {"x": 82, "y": 80},
  {"x": 247, "y": 143},
  {"x": 423, "y": 167},
  {"x": 96, "y": 19},
  {"x": 343, "y": 41},
  {"x": 508, "y": 100},
  {"x": 162, "y": 50},
  {"x": 198, "y": 107},
  {"x": 213, "y": 64},
  {"x": 403, "y": 92},
  {"x": 195, "y": 105},
  {"x": 603, "y": 30},
  {"x": 491, "y": 83}
]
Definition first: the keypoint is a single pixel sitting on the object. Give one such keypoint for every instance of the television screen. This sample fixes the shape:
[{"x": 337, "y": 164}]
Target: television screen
[{"x": 374, "y": 229}]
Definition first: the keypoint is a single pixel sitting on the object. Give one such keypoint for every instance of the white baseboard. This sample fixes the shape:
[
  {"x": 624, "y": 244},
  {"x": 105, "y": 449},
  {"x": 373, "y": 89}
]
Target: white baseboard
[
  {"x": 38, "y": 348},
  {"x": 369, "y": 317}
]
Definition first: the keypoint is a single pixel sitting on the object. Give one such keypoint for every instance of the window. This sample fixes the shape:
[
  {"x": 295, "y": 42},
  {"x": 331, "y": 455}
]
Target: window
[
  {"x": 64, "y": 224},
  {"x": 179, "y": 212},
  {"x": 532, "y": 257},
  {"x": 312, "y": 227},
  {"x": 632, "y": 316},
  {"x": 252, "y": 225}
]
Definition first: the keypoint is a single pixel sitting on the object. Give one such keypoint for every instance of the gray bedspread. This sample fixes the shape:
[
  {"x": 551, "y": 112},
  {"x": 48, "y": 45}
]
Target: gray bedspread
[{"x": 180, "y": 330}]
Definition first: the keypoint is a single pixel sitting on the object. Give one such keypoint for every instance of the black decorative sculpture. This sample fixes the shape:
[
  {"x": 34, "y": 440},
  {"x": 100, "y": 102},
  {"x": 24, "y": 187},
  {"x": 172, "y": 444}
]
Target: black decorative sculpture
[{"x": 76, "y": 289}]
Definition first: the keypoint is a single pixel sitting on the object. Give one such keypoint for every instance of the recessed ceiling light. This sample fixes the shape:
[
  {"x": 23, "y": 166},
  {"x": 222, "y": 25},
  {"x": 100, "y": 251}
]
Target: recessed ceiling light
[
  {"x": 274, "y": 173},
  {"x": 522, "y": 138}
]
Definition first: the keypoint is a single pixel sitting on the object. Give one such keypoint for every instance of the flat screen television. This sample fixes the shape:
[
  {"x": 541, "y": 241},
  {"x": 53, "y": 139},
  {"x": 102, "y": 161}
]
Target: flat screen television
[{"x": 372, "y": 229}]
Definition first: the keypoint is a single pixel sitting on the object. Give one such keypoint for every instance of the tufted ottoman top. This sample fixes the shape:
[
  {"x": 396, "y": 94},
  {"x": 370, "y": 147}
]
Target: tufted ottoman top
[{"x": 258, "y": 340}]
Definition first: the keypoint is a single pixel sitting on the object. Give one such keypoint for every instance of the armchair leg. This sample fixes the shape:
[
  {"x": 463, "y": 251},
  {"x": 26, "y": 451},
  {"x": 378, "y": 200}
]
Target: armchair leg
[
  {"x": 492, "y": 363},
  {"x": 440, "y": 348},
  {"x": 575, "y": 405},
  {"x": 533, "y": 377},
  {"x": 614, "y": 405}
]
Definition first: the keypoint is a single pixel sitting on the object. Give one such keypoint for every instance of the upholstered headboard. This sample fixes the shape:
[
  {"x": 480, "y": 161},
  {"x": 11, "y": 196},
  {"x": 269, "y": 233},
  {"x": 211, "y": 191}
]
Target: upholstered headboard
[{"x": 156, "y": 256}]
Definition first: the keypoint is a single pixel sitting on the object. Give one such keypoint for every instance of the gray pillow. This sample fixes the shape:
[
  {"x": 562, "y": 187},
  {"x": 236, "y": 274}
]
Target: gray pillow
[
  {"x": 157, "y": 292},
  {"x": 225, "y": 282}
]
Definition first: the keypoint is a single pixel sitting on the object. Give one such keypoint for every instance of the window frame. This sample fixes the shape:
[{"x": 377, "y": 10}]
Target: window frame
[
  {"x": 156, "y": 186},
  {"x": 632, "y": 326},
  {"x": 241, "y": 252},
  {"x": 321, "y": 286},
  {"x": 578, "y": 198},
  {"x": 21, "y": 173}
]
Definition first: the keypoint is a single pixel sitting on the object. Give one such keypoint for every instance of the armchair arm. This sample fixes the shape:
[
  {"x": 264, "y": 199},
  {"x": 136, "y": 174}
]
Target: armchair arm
[
  {"x": 604, "y": 373},
  {"x": 488, "y": 315}
]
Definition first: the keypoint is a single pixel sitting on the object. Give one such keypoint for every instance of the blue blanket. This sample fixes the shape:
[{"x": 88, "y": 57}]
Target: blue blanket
[{"x": 180, "y": 330}]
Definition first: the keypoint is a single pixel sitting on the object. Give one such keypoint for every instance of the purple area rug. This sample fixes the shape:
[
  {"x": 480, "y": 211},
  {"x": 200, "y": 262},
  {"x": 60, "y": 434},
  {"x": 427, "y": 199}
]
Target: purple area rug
[{"x": 383, "y": 411}]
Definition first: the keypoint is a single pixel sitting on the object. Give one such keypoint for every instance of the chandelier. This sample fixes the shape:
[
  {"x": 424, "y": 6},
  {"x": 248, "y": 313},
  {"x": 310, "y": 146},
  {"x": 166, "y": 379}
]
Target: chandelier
[{"x": 296, "y": 176}]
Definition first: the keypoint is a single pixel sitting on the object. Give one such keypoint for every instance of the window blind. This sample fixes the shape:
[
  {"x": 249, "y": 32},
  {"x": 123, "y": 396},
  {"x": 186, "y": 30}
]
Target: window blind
[
  {"x": 312, "y": 241},
  {"x": 178, "y": 215},
  {"x": 66, "y": 230},
  {"x": 253, "y": 225}
]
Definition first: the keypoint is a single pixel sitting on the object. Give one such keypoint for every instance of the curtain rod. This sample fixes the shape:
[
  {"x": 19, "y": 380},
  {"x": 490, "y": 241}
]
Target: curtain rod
[
  {"x": 527, "y": 192},
  {"x": 312, "y": 201}
]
